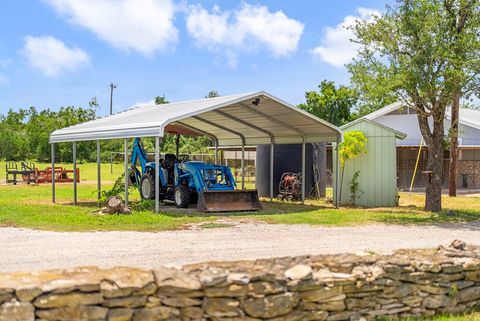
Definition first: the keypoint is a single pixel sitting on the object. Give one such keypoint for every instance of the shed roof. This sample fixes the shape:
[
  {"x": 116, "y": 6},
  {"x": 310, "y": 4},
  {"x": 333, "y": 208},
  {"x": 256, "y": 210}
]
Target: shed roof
[
  {"x": 398, "y": 134},
  {"x": 253, "y": 118}
]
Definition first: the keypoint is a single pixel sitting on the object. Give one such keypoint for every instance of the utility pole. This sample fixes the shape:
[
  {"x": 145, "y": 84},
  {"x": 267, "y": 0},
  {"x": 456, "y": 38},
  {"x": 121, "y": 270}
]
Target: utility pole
[{"x": 112, "y": 87}]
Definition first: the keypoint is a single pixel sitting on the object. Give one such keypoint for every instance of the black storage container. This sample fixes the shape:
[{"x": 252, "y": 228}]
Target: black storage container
[{"x": 287, "y": 158}]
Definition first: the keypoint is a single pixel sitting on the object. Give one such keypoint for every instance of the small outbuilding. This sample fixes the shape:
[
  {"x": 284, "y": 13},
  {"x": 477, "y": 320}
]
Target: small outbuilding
[{"x": 377, "y": 169}]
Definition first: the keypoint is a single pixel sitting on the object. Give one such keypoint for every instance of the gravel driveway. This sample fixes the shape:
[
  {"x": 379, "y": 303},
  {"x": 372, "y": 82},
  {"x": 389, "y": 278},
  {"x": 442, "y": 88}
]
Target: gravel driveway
[{"x": 24, "y": 249}]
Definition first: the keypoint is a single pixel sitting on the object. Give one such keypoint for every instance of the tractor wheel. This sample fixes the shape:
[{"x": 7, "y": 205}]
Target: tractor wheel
[
  {"x": 289, "y": 199},
  {"x": 280, "y": 197},
  {"x": 182, "y": 196},
  {"x": 147, "y": 186}
]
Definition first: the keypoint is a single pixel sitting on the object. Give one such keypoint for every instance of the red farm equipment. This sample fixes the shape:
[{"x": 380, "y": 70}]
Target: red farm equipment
[{"x": 31, "y": 174}]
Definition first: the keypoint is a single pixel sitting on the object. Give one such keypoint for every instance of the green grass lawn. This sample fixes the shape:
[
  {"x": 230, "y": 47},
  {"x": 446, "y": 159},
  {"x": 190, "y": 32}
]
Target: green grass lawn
[
  {"x": 88, "y": 171},
  {"x": 30, "y": 206}
]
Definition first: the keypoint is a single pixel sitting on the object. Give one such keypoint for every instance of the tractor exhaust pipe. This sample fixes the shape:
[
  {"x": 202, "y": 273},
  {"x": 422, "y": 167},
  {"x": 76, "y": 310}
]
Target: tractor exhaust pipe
[{"x": 228, "y": 201}]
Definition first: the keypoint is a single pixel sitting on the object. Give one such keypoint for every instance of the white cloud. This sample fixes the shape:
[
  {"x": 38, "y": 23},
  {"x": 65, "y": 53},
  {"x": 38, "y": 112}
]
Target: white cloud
[
  {"x": 145, "y": 26},
  {"x": 336, "y": 48},
  {"x": 245, "y": 29},
  {"x": 143, "y": 103},
  {"x": 51, "y": 56}
]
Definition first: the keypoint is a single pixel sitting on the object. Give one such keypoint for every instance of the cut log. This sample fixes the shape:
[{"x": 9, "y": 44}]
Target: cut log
[{"x": 115, "y": 206}]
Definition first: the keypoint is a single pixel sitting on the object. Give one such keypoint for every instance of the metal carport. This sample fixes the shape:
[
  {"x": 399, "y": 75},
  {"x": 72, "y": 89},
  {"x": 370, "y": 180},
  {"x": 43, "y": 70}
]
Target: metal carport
[{"x": 251, "y": 118}]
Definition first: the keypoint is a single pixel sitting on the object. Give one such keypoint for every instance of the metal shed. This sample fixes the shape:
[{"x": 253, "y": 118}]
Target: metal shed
[
  {"x": 377, "y": 168},
  {"x": 236, "y": 120}
]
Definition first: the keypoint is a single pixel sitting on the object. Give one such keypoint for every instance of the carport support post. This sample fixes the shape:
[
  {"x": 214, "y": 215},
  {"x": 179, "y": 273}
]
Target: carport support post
[
  {"x": 303, "y": 171},
  {"x": 53, "y": 172},
  {"x": 337, "y": 201},
  {"x": 216, "y": 152},
  {"x": 272, "y": 152},
  {"x": 74, "y": 173},
  {"x": 157, "y": 174},
  {"x": 125, "y": 151},
  {"x": 99, "y": 179},
  {"x": 243, "y": 165}
]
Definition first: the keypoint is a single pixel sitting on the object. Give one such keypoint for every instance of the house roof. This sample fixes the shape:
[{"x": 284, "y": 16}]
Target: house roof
[
  {"x": 398, "y": 134},
  {"x": 251, "y": 118},
  {"x": 385, "y": 110},
  {"x": 468, "y": 117}
]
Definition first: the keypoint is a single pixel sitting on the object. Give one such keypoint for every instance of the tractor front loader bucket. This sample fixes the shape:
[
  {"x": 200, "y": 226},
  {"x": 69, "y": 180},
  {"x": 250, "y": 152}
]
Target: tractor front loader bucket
[{"x": 228, "y": 201}]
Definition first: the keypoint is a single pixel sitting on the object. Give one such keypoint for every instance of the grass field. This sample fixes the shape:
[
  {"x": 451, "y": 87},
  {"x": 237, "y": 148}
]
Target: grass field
[
  {"x": 88, "y": 171},
  {"x": 30, "y": 206}
]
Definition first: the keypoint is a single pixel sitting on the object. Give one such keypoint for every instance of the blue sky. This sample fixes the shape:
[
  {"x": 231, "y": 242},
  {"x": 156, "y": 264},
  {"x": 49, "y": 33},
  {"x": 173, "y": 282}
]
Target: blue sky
[{"x": 64, "y": 52}]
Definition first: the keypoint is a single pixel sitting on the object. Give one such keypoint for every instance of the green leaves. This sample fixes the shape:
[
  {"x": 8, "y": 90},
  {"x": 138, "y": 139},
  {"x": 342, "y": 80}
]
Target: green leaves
[
  {"x": 331, "y": 103},
  {"x": 24, "y": 135},
  {"x": 424, "y": 52},
  {"x": 353, "y": 144},
  {"x": 419, "y": 50}
]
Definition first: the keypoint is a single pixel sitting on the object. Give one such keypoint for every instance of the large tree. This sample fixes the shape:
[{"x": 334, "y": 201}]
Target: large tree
[
  {"x": 464, "y": 18},
  {"x": 408, "y": 50},
  {"x": 332, "y": 103}
]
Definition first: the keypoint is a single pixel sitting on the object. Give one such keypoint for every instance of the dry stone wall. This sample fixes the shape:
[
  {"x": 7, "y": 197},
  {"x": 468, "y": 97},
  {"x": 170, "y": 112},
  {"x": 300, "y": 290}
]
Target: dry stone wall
[{"x": 406, "y": 283}]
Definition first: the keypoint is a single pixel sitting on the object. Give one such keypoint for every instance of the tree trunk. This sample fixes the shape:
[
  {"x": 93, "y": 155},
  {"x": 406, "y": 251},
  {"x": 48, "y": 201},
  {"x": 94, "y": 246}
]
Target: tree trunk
[
  {"x": 341, "y": 185},
  {"x": 433, "y": 197},
  {"x": 452, "y": 172},
  {"x": 320, "y": 162},
  {"x": 115, "y": 205},
  {"x": 433, "y": 138}
]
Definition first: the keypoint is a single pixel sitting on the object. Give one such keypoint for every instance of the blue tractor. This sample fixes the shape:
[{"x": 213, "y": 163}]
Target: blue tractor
[{"x": 184, "y": 182}]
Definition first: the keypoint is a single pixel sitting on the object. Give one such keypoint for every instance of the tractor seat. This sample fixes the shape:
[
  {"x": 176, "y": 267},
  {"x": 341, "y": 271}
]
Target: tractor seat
[{"x": 170, "y": 160}]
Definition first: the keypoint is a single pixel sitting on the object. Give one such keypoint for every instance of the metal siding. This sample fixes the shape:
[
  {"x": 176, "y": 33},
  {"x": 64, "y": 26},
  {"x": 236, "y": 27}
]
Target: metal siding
[
  {"x": 152, "y": 120},
  {"x": 377, "y": 168},
  {"x": 408, "y": 124},
  {"x": 468, "y": 135}
]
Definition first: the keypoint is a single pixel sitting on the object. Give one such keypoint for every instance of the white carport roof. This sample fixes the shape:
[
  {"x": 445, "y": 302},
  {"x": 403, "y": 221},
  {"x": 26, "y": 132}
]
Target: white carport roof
[{"x": 227, "y": 119}]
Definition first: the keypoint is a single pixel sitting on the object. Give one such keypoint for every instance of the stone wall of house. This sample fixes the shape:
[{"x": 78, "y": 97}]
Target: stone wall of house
[
  {"x": 329, "y": 287},
  {"x": 470, "y": 168}
]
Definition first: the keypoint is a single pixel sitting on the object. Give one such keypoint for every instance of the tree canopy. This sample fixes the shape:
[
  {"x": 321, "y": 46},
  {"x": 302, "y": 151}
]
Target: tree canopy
[
  {"x": 410, "y": 51},
  {"x": 24, "y": 135},
  {"x": 161, "y": 100},
  {"x": 331, "y": 103}
]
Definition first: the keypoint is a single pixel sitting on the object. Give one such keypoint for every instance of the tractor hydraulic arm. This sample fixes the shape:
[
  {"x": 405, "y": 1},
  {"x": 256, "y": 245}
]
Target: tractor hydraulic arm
[{"x": 138, "y": 154}]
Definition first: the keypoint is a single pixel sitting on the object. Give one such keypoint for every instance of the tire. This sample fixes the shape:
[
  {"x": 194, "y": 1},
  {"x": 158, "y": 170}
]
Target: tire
[
  {"x": 289, "y": 199},
  {"x": 280, "y": 197},
  {"x": 147, "y": 186},
  {"x": 181, "y": 196}
]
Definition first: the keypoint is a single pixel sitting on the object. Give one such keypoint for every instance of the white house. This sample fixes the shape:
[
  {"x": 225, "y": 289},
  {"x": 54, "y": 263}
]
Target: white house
[{"x": 404, "y": 119}]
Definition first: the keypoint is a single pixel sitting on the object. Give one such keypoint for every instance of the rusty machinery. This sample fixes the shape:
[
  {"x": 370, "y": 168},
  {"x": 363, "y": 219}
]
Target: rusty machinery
[
  {"x": 31, "y": 174},
  {"x": 290, "y": 187}
]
